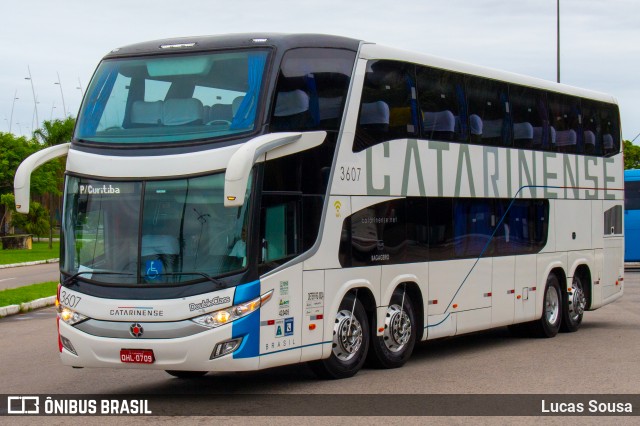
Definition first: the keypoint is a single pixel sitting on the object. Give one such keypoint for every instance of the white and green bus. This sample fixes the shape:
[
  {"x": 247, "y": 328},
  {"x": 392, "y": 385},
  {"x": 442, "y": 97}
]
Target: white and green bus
[{"x": 248, "y": 201}]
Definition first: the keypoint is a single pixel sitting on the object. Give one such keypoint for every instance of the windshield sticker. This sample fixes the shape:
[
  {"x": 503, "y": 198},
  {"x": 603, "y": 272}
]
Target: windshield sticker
[
  {"x": 154, "y": 269},
  {"x": 283, "y": 308},
  {"x": 284, "y": 288}
]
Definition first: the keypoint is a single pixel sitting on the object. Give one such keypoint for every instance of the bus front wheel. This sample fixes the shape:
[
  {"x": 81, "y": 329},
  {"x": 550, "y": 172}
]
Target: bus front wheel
[
  {"x": 350, "y": 342},
  {"x": 394, "y": 347}
]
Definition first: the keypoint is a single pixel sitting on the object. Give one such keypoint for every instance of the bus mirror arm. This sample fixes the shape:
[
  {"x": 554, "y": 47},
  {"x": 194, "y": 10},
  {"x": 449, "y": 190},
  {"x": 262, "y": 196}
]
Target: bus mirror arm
[
  {"x": 276, "y": 145},
  {"x": 22, "y": 180}
]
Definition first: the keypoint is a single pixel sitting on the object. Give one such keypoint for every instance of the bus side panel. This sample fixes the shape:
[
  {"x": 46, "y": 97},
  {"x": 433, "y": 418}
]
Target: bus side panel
[
  {"x": 502, "y": 291},
  {"x": 280, "y": 318},
  {"x": 572, "y": 225},
  {"x": 313, "y": 311},
  {"x": 459, "y": 282},
  {"x": 525, "y": 288}
]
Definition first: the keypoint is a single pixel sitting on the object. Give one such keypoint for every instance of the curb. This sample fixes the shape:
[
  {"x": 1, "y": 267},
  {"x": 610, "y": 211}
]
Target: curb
[
  {"x": 37, "y": 262},
  {"x": 27, "y": 306}
]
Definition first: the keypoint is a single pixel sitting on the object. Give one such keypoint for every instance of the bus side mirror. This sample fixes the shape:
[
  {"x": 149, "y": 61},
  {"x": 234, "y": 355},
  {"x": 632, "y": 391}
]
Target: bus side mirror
[
  {"x": 276, "y": 145},
  {"x": 22, "y": 180}
]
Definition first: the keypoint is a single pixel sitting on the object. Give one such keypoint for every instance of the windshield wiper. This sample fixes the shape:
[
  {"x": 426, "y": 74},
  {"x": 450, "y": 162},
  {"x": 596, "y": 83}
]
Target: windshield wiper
[
  {"x": 202, "y": 274},
  {"x": 74, "y": 278}
]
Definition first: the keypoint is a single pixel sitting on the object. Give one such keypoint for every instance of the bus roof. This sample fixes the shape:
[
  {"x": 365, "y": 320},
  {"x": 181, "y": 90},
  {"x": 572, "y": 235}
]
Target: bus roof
[
  {"x": 203, "y": 43},
  {"x": 367, "y": 51}
]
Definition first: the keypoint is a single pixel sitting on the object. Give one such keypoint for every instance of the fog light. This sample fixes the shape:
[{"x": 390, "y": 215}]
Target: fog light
[
  {"x": 66, "y": 343},
  {"x": 224, "y": 348}
]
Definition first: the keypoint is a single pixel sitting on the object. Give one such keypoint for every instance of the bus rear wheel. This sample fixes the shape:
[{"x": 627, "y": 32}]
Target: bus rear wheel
[
  {"x": 573, "y": 307},
  {"x": 186, "y": 374},
  {"x": 549, "y": 324},
  {"x": 350, "y": 342},
  {"x": 394, "y": 347}
]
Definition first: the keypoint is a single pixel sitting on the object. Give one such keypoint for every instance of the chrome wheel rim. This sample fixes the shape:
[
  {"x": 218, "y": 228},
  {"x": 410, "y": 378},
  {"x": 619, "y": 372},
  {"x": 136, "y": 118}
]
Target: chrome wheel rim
[
  {"x": 397, "y": 329},
  {"x": 578, "y": 301},
  {"x": 347, "y": 336},
  {"x": 552, "y": 305}
]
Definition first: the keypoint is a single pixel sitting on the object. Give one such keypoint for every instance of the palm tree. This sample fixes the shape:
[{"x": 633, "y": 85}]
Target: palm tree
[{"x": 55, "y": 132}]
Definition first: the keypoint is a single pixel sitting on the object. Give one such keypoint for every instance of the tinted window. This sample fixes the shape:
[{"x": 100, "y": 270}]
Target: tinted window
[
  {"x": 530, "y": 118},
  {"x": 312, "y": 89},
  {"x": 632, "y": 195},
  {"x": 563, "y": 115},
  {"x": 431, "y": 229},
  {"x": 442, "y": 105},
  {"x": 609, "y": 122},
  {"x": 488, "y": 119},
  {"x": 388, "y": 108}
]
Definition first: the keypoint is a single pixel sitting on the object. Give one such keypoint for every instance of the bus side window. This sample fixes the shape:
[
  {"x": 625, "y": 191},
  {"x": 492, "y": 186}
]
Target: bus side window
[
  {"x": 529, "y": 117},
  {"x": 610, "y": 129},
  {"x": 489, "y": 119},
  {"x": 388, "y": 108},
  {"x": 442, "y": 105},
  {"x": 564, "y": 114},
  {"x": 279, "y": 234},
  {"x": 312, "y": 89}
]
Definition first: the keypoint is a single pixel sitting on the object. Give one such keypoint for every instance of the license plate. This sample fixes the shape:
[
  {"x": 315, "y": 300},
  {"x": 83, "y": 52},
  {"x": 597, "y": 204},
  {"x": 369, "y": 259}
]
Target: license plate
[{"x": 137, "y": 356}]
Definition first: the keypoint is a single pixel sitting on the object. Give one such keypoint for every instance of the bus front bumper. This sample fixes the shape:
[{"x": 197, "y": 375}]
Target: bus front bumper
[{"x": 189, "y": 353}]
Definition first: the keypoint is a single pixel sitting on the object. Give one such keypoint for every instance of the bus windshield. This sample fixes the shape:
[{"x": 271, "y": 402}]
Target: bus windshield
[
  {"x": 151, "y": 232},
  {"x": 168, "y": 99}
]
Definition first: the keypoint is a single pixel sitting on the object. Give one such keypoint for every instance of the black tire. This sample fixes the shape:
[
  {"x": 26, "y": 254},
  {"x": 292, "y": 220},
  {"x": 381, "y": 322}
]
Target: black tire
[
  {"x": 573, "y": 307},
  {"x": 348, "y": 352},
  {"x": 186, "y": 374},
  {"x": 394, "y": 348},
  {"x": 549, "y": 323}
]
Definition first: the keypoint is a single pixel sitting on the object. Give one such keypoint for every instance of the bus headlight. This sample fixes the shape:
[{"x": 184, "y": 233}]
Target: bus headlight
[
  {"x": 70, "y": 316},
  {"x": 232, "y": 313}
]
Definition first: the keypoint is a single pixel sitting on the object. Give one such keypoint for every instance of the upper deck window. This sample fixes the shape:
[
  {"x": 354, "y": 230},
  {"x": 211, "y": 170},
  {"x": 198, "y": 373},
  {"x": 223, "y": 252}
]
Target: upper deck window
[
  {"x": 165, "y": 99},
  {"x": 311, "y": 91}
]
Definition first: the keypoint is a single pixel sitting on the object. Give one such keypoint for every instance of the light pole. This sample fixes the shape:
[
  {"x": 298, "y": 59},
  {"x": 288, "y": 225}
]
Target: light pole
[
  {"x": 80, "y": 87},
  {"x": 53, "y": 106},
  {"x": 558, "y": 39},
  {"x": 35, "y": 102},
  {"x": 15, "y": 98},
  {"x": 64, "y": 108},
  {"x": 35, "y": 114}
]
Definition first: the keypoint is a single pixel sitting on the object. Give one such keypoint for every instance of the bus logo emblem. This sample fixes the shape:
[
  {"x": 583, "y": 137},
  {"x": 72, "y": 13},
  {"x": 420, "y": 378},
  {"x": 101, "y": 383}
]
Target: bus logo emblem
[{"x": 136, "y": 330}]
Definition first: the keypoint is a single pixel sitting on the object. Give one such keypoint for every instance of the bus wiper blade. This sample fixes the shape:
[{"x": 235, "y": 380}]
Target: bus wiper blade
[
  {"x": 74, "y": 278},
  {"x": 202, "y": 274}
]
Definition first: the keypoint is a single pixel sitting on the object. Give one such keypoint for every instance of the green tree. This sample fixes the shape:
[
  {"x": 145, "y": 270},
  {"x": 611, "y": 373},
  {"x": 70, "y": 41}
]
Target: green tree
[
  {"x": 631, "y": 156},
  {"x": 55, "y": 132},
  {"x": 35, "y": 222}
]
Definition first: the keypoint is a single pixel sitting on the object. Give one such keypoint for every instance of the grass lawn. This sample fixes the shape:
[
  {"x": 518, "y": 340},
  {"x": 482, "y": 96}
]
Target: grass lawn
[
  {"x": 16, "y": 296},
  {"x": 40, "y": 251}
]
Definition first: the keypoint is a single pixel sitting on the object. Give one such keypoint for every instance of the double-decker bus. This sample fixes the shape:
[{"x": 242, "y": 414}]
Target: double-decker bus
[
  {"x": 249, "y": 201},
  {"x": 632, "y": 215}
]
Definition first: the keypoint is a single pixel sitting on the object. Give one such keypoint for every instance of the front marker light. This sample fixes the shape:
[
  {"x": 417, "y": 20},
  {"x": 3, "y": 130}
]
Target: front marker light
[
  {"x": 70, "y": 316},
  {"x": 232, "y": 313}
]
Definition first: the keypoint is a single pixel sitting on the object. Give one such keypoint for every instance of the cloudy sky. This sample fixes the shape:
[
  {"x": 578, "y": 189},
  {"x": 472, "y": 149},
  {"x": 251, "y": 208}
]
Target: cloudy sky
[{"x": 600, "y": 40}]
